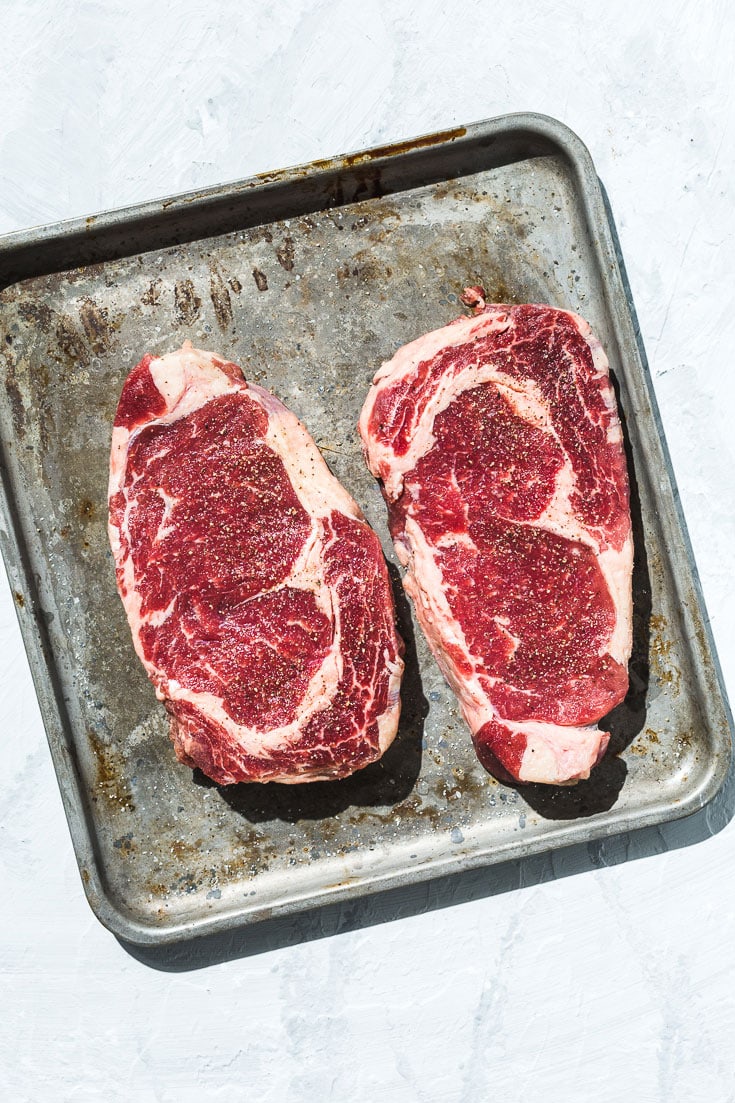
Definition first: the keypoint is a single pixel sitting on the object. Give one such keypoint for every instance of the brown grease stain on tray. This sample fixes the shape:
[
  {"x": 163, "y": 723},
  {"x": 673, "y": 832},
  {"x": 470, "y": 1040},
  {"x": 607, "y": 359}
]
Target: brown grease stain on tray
[
  {"x": 391, "y": 150},
  {"x": 285, "y": 253},
  {"x": 153, "y": 294},
  {"x": 261, "y": 280},
  {"x": 188, "y": 303},
  {"x": 662, "y": 651},
  {"x": 220, "y": 297},
  {"x": 98, "y": 327},
  {"x": 125, "y": 845},
  {"x": 110, "y": 782}
]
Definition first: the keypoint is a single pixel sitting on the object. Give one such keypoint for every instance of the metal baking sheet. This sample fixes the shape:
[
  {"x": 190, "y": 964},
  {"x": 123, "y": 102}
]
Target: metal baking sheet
[{"x": 309, "y": 278}]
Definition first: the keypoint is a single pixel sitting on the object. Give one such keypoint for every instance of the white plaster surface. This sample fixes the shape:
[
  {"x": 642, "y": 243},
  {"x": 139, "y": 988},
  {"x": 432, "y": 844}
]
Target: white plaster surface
[{"x": 604, "y": 973}]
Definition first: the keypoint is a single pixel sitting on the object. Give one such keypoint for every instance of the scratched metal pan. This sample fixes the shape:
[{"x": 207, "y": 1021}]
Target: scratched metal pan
[{"x": 309, "y": 278}]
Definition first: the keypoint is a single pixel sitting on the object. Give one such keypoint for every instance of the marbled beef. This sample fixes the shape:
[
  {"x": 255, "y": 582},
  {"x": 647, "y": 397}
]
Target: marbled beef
[
  {"x": 258, "y": 597},
  {"x": 499, "y": 449}
]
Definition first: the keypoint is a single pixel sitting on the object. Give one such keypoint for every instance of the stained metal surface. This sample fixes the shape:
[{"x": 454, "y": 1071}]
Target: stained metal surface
[{"x": 309, "y": 278}]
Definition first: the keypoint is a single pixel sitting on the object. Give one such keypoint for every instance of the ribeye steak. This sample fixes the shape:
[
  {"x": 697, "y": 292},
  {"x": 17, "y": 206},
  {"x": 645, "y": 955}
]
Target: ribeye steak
[
  {"x": 499, "y": 449},
  {"x": 258, "y": 597}
]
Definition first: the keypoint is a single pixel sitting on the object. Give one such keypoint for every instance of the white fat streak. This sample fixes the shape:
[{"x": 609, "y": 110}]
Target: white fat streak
[
  {"x": 453, "y": 539},
  {"x": 617, "y": 568},
  {"x": 457, "y": 332},
  {"x": 169, "y": 502},
  {"x": 525, "y": 400},
  {"x": 159, "y": 616},
  {"x": 188, "y": 379},
  {"x": 388, "y": 720},
  {"x": 118, "y": 456},
  {"x": 502, "y": 624}
]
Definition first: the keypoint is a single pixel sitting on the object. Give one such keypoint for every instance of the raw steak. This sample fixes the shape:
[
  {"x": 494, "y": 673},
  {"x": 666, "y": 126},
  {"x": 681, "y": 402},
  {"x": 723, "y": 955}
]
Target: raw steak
[
  {"x": 258, "y": 597},
  {"x": 500, "y": 453}
]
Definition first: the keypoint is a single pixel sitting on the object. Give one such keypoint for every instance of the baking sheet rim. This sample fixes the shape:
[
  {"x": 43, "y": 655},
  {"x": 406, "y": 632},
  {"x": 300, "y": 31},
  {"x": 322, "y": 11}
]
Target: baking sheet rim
[{"x": 113, "y": 916}]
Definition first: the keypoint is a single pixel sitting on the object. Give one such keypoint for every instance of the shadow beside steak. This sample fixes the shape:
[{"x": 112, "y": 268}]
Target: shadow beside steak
[
  {"x": 386, "y": 782},
  {"x": 600, "y": 792}
]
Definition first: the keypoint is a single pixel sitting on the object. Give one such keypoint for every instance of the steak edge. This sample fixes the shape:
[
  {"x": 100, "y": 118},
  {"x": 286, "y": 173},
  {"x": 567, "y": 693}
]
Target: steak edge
[
  {"x": 257, "y": 596},
  {"x": 499, "y": 450}
]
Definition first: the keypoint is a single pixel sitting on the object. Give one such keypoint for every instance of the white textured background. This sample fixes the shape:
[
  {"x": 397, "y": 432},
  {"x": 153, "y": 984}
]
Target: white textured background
[{"x": 603, "y": 973}]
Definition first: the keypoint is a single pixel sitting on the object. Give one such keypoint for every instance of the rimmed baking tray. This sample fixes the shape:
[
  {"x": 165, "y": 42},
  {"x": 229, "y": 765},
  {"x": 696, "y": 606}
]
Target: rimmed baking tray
[{"x": 310, "y": 277}]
